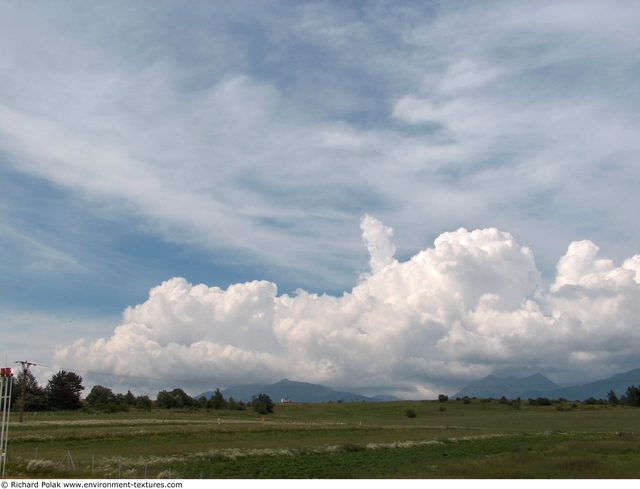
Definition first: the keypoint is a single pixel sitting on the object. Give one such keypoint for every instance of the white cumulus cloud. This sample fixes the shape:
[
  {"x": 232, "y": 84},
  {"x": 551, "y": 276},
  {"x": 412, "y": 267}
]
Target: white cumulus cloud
[
  {"x": 473, "y": 303},
  {"x": 378, "y": 239}
]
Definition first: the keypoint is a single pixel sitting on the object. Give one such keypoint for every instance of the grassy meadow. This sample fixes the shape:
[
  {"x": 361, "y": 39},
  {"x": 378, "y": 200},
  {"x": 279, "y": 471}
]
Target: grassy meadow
[{"x": 339, "y": 440}]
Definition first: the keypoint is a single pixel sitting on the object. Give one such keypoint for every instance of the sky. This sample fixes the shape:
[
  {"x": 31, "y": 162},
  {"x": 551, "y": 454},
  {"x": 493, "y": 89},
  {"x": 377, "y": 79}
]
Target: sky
[{"x": 392, "y": 197}]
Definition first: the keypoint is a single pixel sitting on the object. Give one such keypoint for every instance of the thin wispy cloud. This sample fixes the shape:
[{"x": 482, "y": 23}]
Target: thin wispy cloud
[{"x": 29, "y": 255}]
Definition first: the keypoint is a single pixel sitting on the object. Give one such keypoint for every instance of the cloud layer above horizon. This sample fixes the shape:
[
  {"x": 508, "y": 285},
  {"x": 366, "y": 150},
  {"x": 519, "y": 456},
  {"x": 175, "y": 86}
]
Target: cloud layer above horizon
[
  {"x": 472, "y": 304},
  {"x": 229, "y": 141}
]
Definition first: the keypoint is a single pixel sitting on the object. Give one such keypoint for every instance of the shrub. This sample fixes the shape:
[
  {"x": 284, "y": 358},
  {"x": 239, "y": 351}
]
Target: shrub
[
  {"x": 143, "y": 402},
  {"x": 42, "y": 466},
  {"x": 177, "y": 398},
  {"x": 442, "y": 409},
  {"x": 99, "y": 395},
  {"x": 466, "y": 400},
  {"x": 410, "y": 413},
  {"x": 232, "y": 405},
  {"x": 262, "y": 404},
  {"x": 116, "y": 407},
  {"x": 351, "y": 447},
  {"x": 540, "y": 401}
]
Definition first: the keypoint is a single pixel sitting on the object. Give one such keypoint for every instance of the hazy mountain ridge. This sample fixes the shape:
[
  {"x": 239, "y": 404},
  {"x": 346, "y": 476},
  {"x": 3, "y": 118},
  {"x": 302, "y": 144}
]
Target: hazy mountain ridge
[
  {"x": 294, "y": 391},
  {"x": 536, "y": 385},
  {"x": 598, "y": 389},
  {"x": 512, "y": 387}
]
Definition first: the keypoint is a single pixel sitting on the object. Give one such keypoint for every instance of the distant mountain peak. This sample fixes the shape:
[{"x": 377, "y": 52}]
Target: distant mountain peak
[
  {"x": 295, "y": 391},
  {"x": 538, "y": 385},
  {"x": 511, "y": 387}
]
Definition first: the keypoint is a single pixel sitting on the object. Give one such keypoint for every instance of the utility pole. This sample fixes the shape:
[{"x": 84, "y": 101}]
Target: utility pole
[{"x": 23, "y": 388}]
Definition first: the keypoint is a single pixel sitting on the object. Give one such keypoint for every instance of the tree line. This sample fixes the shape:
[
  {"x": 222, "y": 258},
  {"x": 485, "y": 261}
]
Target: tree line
[
  {"x": 63, "y": 392},
  {"x": 631, "y": 397},
  {"x": 177, "y": 398}
]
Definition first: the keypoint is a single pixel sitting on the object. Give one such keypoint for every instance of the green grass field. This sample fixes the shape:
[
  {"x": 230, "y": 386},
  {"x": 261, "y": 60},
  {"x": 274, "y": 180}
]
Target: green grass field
[{"x": 361, "y": 440}]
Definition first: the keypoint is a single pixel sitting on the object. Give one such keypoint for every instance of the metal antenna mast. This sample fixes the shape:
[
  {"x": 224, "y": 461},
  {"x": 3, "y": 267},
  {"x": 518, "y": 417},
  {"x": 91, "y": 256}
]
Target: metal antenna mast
[
  {"x": 23, "y": 388},
  {"x": 6, "y": 384}
]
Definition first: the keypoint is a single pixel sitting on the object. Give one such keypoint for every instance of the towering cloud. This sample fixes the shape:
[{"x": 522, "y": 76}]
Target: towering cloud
[
  {"x": 378, "y": 239},
  {"x": 473, "y": 303}
]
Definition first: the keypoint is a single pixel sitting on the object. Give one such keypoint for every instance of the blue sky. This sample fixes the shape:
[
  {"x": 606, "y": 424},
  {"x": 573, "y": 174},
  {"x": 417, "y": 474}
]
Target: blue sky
[{"x": 230, "y": 142}]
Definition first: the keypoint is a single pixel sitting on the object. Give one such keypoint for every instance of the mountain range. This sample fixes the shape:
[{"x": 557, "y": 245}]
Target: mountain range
[
  {"x": 509, "y": 387},
  {"x": 538, "y": 385},
  {"x": 296, "y": 392}
]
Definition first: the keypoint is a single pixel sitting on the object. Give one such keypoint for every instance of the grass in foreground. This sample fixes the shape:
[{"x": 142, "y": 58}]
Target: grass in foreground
[{"x": 333, "y": 441}]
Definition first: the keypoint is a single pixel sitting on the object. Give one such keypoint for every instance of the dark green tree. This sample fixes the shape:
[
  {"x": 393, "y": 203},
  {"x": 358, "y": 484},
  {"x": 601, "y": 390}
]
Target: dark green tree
[
  {"x": 164, "y": 399},
  {"x": 632, "y": 396},
  {"x": 35, "y": 398},
  {"x": 177, "y": 398},
  {"x": 262, "y": 404},
  {"x": 443, "y": 398},
  {"x": 143, "y": 402},
  {"x": 217, "y": 400},
  {"x": 103, "y": 399},
  {"x": 63, "y": 390},
  {"x": 129, "y": 398},
  {"x": 100, "y": 396},
  {"x": 232, "y": 404},
  {"x": 612, "y": 398}
]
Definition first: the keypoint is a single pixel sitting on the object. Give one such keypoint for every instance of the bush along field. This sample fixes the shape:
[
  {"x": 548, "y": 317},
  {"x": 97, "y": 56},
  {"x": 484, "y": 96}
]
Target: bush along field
[{"x": 466, "y": 438}]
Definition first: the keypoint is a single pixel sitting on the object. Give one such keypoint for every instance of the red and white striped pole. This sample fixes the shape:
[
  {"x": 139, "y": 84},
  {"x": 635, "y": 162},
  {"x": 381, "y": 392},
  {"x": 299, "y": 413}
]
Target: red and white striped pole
[{"x": 6, "y": 384}]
